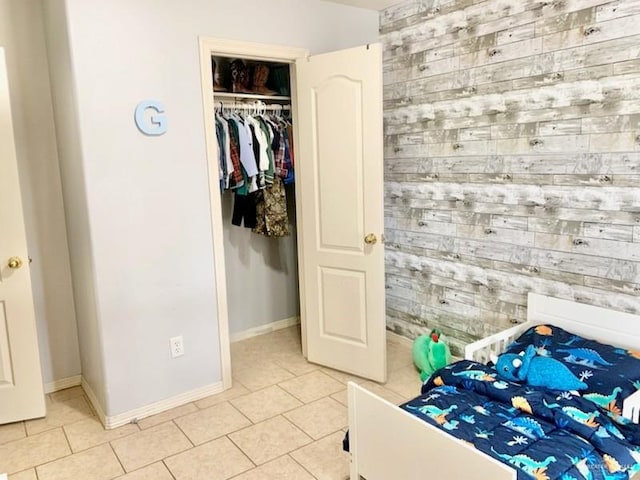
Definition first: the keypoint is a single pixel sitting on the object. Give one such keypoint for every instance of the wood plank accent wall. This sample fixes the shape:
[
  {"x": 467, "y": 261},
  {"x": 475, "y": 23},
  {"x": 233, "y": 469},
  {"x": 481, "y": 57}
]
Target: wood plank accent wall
[{"x": 512, "y": 159}]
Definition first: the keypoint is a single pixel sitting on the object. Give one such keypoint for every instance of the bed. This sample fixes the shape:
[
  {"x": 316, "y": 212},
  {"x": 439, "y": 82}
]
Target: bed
[{"x": 387, "y": 442}]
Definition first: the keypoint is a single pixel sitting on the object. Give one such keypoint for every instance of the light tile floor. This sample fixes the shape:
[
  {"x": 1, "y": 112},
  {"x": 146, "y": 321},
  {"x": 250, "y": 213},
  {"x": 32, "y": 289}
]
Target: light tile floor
[{"x": 284, "y": 419}]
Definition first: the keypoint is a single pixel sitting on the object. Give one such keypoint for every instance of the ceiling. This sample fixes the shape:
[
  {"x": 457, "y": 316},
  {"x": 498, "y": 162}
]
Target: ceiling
[{"x": 370, "y": 4}]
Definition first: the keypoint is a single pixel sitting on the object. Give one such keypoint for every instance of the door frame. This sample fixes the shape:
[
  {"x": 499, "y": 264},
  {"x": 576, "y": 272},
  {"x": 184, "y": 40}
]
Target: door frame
[{"x": 210, "y": 46}]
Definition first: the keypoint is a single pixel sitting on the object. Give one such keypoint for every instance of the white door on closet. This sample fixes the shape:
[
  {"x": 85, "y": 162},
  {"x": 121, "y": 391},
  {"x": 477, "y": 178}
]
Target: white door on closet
[
  {"x": 21, "y": 389},
  {"x": 340, "y": 195}
]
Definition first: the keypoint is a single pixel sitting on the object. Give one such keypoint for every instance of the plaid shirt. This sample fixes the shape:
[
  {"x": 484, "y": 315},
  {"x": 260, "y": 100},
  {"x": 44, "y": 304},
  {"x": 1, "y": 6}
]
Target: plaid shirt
[
  {"x": 278, "y": 150},
  {"x": 238, "y": 180}
]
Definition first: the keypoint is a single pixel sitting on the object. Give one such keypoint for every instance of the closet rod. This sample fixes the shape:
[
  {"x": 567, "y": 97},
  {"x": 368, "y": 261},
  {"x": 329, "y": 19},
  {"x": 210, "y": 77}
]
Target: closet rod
[
  {"x": 254, "y": 106},
  {"x": 244, "y": 106}
]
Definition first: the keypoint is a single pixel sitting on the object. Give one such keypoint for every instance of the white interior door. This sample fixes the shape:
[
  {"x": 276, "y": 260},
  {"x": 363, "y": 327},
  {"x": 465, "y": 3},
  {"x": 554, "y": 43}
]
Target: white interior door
[
  {"x": 340, "y": 191},
  {"x": 21, "y": 389}
]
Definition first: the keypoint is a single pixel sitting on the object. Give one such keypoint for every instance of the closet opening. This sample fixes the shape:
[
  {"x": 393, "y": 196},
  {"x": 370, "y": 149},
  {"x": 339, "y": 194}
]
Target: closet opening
[
  {"x": 254, "y": 133},
  {"x": 249, "y": 116}
]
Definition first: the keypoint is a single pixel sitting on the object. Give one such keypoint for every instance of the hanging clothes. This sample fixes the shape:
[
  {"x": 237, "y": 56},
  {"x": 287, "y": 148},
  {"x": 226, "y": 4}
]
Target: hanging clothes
[{"x": 256, "y": 162}]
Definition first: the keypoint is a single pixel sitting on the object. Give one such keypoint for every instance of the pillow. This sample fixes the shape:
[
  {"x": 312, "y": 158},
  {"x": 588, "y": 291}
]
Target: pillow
[{"x": 611, "y": 373}]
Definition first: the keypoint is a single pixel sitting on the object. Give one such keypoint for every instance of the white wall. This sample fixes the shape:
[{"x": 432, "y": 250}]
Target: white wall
[
  {"x": 68, "y": 134},
  {"x": 262, "y": 272},
  {"x": 21, "y": 32},
  {"x": 147, "y": 227}
]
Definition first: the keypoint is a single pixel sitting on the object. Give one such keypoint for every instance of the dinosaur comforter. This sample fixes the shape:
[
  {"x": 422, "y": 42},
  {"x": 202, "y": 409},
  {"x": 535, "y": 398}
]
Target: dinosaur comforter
[{"x": 542, "y": 433}]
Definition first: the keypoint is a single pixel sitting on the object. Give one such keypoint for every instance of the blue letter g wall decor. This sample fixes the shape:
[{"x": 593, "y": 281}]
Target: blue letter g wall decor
[{"x": 153, "y": 124}]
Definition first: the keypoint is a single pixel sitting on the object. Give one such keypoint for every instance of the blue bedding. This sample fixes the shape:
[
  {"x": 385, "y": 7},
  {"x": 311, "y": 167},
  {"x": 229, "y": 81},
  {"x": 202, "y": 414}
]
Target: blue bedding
[
  {"x": 611, "y": 373},
  {"x": 543, "y": 434}
]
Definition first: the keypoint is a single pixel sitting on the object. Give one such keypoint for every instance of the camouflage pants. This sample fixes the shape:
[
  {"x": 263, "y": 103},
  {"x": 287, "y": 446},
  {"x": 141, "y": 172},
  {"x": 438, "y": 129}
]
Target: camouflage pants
[{"x": 271, "y": 211}]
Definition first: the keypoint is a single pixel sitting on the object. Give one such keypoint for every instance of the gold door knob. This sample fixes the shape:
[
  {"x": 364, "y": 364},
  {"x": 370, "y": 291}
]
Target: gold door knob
[
  {"x": 15, "y": 262},
  {"x": 370, "y": 239}
]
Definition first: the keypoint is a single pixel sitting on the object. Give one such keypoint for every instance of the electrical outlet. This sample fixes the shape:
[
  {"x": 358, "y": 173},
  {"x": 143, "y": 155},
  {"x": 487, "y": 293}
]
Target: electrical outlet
[{"x": 177, "y": 346}]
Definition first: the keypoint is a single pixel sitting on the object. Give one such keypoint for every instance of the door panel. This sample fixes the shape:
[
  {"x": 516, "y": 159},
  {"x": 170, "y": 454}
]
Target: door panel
[
  {"x": 339, "y": 187},
  {"x": 339, "y": 144},
  {"x": 21, "y": 389},
  {"x": 343, "y": 295}
]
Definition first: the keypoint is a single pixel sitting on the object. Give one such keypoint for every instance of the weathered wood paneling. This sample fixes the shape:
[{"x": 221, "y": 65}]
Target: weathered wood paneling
[
  {"x": 621, "y": 8},
  {"x": 512, "y": 159}
]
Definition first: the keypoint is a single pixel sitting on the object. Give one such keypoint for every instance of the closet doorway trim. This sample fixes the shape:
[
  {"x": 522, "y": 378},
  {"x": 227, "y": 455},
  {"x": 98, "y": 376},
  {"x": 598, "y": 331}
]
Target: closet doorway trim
[{"x": 251, "y": 51}]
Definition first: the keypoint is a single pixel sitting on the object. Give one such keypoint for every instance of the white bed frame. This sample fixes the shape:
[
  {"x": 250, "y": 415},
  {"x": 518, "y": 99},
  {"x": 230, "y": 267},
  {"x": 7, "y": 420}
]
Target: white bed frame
[{"x": 388, "y": 443}]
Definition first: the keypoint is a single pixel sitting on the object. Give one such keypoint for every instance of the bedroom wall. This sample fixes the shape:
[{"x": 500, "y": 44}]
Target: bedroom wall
[
  {"x": 138, "y": 207},
  {"x": 512, "y": 159},
  {"x": 68, "y": 136}
]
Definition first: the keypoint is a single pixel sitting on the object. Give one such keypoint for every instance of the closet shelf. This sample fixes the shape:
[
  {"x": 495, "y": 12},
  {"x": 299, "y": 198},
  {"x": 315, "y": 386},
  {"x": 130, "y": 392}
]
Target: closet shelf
[{"x": 251, "y": 96}]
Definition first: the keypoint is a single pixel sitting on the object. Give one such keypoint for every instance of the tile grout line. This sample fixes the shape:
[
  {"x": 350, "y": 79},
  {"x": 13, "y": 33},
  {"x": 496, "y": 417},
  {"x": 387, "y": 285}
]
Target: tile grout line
[
  {"x": 193, "y": 445},
  {"x": 66, "y": 437},
  {"x": 274, "y": 460},
  {"x": 198, "y": 409},
  {"x": 249, "y": 392},
  {"x": 64, "y": 432},
  {"x": 124, "y": 470},
  {"x": 298, "y": 428},
  {"x": 240, "y": 412},
  {"x": 305, "y": 446},
  {"x": 105, "y": 430},
  {"x": 300, "y": 376},
  {"x": 302, "y": 466},
  {"x": 35, "y": 467},
  {"x": 316, "y": 367},
  {"x": 140, "y": 467},
  {"x": 233, "y": 380},
  {"x": 273, "y": 416},
  {"x": 167, "y": 467},
  {"x": 303, "y": 405},
  {"x": 91, "y": 411},
  {"x": 255, "y": 465},
  {"x": 254, "y": 424},
  {"x": 26, "y": 470}
]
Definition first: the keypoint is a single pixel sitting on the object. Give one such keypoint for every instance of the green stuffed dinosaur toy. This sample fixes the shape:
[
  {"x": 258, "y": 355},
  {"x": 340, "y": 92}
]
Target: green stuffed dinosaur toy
[{"x": 430, "y": 353}]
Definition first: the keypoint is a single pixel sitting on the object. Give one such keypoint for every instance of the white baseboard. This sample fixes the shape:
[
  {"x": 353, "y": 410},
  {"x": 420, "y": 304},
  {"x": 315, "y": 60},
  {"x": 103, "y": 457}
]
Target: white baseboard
[
  {"x": 94, "y": 401},
  {"x": 63, "y": 383},
  {"x": 115, "y": 421},
  {"x": 399, "y": 339},
  {"x": 262, "y": 329}
]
